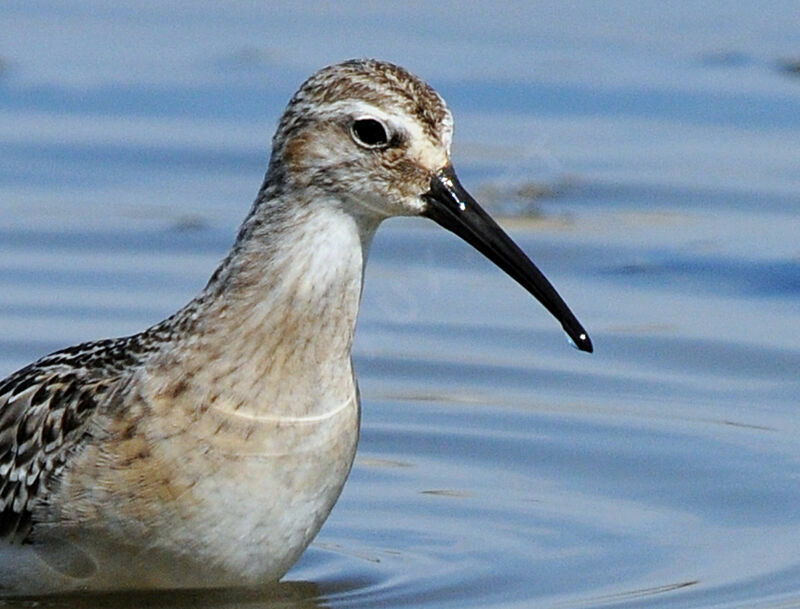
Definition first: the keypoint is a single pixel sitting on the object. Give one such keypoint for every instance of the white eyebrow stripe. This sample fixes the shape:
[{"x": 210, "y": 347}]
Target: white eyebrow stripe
[{"x": 353, "y": 107}]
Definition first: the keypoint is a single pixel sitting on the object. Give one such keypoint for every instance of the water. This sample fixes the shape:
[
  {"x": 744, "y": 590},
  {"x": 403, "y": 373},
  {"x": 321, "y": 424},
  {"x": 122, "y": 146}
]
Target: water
[{"x": 645, "y": 155}]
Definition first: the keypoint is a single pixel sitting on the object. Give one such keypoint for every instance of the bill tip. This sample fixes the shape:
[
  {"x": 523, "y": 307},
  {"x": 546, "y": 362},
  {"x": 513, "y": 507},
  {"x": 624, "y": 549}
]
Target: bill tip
[{"x": 584, "y": 343}]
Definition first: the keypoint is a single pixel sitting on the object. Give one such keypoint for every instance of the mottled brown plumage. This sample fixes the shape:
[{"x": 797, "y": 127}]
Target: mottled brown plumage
[{"x": 44, "y": 411}]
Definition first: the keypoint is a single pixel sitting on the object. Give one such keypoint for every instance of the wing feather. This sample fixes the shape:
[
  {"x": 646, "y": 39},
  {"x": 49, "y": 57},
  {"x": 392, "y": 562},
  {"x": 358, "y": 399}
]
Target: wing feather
[{"x": 45, "y": 410}]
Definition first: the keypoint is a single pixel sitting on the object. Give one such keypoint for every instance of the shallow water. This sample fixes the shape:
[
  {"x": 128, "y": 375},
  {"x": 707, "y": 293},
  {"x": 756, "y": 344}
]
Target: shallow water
[{"x": 646, "y": 157}]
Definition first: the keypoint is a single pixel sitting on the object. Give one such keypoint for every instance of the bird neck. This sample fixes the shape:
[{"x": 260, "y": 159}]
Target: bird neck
[{"x": 274, "y": 327}]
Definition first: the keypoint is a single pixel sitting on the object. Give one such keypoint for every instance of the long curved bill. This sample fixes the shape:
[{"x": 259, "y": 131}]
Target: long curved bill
[{"x": 451, "y": 206}]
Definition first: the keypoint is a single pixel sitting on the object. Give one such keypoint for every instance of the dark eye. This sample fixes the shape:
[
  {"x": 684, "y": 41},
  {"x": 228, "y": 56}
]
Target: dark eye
[{"x": 370, "y": 133}]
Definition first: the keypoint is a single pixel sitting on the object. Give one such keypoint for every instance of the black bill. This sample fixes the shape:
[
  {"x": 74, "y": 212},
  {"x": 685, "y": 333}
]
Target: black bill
[{"x": 451, "y": 206}]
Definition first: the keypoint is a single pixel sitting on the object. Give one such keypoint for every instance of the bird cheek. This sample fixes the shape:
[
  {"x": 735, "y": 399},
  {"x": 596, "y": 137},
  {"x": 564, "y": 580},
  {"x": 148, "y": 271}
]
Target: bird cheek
[
  {"x": 295, "y": 152},
  {"x": 414, "y": 181}
]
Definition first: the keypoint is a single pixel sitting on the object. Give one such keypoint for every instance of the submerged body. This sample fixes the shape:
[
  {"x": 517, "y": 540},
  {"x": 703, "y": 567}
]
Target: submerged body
[{"x": 209, "y": 449}]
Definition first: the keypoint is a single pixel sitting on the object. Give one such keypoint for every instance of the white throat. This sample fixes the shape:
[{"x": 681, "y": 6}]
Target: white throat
[{"x": 277, "y": 344}]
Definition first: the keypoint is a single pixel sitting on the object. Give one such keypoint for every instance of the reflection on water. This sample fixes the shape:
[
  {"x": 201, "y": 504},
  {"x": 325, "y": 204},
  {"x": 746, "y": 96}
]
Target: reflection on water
[
  {"x": 655, "y": 181},
  {"x": 287, "y": 595}
]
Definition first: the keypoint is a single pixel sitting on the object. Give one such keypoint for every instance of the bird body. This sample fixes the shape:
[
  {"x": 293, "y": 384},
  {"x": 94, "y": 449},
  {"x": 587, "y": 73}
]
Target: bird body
[
  {"x": 224, "y": 440},
  {"x": 209, "y": 449}
]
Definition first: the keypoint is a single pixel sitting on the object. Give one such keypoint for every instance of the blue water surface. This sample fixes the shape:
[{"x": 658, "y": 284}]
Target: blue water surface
[{"x": 644, "y": 154}]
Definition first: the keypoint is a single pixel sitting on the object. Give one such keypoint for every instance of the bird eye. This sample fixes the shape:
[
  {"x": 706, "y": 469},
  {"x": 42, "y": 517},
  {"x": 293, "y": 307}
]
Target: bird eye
[{"x": 370, "y": 133}]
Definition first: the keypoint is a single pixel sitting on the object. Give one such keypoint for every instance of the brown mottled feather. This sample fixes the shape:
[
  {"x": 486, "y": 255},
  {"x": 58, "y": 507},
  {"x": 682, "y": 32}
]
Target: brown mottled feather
[{"x": 44, "y": 413}]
